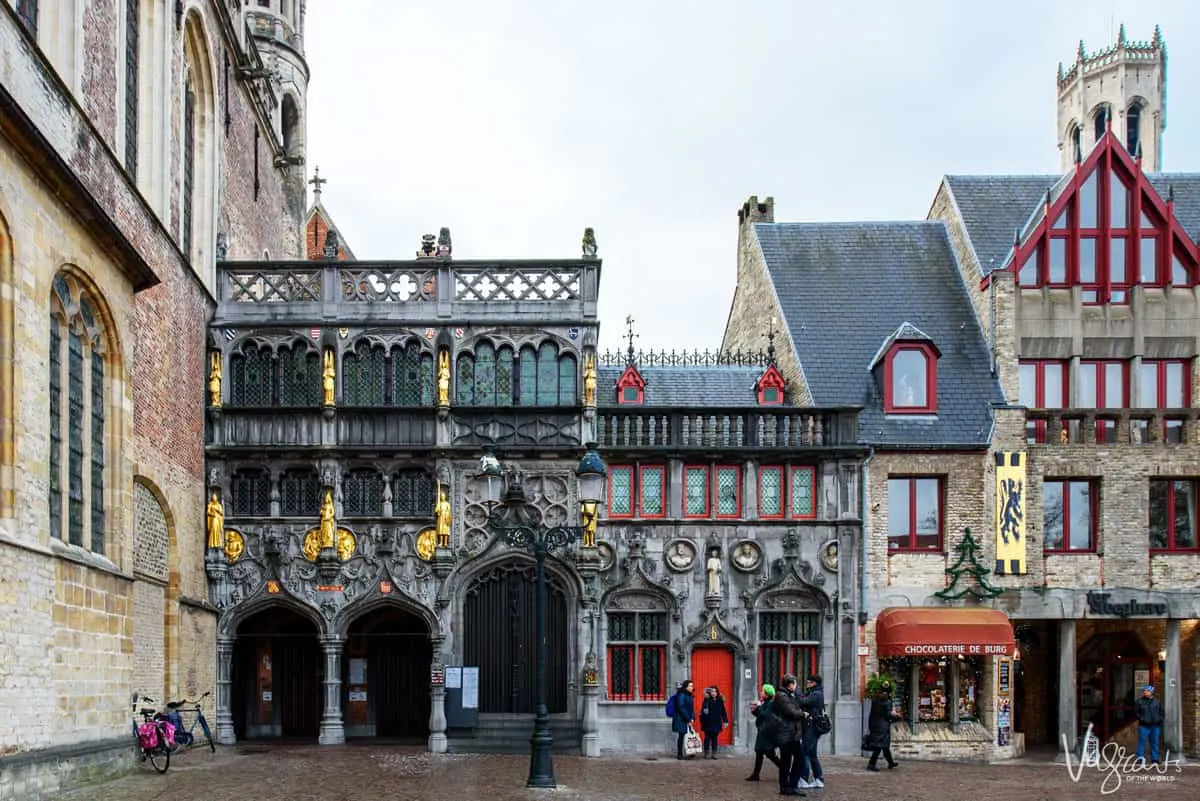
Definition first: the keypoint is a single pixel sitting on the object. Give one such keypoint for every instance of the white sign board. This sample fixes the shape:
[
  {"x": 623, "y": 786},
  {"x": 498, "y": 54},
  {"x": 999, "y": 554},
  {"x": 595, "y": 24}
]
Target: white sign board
[{"x": 470, "y": 688}]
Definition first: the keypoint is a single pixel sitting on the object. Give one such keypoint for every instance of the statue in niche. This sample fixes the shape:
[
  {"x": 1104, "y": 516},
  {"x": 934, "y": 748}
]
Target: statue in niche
[
  {"x": 591, "y": 516},
  {"x": 214, "y": 380},
  {"x": 443, "y": 378},
  {"x": 713, "y": 567},
  {"x": 328, "y": 376},
  {"x": 589, "y": 381},
  {"x": 328, "y": 524},
  {"x": 441, "y": 510},
  {"x": 215, "y": 515}
]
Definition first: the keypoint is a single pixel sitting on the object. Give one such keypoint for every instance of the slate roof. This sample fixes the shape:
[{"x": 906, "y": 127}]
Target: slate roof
[
  {"x": 995, "y": 207},
  {"x": 684, "y": 386},
  {"x": 845, "y": 288}
]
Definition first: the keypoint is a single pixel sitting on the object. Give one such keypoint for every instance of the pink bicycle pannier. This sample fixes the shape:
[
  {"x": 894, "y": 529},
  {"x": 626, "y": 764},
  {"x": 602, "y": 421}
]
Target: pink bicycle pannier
[{"x": 148, "y": 735}]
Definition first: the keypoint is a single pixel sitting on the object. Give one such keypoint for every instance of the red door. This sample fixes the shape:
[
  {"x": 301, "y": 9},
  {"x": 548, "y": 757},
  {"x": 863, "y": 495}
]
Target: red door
[{"x": 713, "y": 666}]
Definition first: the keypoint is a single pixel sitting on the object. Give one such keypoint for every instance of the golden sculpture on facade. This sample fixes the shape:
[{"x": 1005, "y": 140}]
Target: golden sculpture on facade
[
  {"x": 426, "y": 544},
  {"x": 214, "y": 379},
  {"x": 215, "y": 515},
  {"x": 443, "y": 378},
  {"x": 235, "y": 546},
  {"x": 444, "y": 517},
  {"x": 328, "y": 524},
  {"x": 346, "y": 544},
  {"x": 591, "y": 516},
  {"x": 312, "y": 544},
  {"x": 328, "y": 377},
  {"x": 589, "y": 381}
]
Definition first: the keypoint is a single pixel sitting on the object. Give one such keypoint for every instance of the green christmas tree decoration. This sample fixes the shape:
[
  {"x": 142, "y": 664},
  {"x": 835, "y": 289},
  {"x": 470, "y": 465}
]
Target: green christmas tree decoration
[{"x": 968, "y": 569}]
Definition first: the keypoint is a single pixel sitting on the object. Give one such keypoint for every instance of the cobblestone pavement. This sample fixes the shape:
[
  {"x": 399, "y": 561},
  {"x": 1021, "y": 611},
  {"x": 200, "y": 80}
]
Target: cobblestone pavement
[{"x": 379, "y": 773}]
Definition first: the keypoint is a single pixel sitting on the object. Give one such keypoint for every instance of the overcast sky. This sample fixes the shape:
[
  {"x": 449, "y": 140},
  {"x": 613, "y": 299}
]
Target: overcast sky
[{"x": 518, "y": 123}]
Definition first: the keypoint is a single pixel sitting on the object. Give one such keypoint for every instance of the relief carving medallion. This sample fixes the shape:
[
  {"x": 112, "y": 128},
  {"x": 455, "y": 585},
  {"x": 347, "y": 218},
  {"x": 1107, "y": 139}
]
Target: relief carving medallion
[
  {"x": 746, "y": 556},
  {"x": 680, "y": 555}
]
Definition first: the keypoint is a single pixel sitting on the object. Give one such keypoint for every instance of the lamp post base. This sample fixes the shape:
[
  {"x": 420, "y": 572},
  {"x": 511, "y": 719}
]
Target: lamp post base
[{"x": 541, "y": 765}]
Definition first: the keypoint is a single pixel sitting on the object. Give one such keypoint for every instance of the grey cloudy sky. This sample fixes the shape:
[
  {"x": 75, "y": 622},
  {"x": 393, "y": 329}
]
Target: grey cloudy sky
[{"x": 517, "y": 123}]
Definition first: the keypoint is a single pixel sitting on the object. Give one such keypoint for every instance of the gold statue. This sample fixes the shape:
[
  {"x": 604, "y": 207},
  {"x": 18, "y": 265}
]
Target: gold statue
[
  {"x": 312, "y": 544},
  {"x": 443, "y": 378},
  {"x": 216, "y": 522},
  {"x": 426, "y": 544},
  {"x": 345, "y": 544},
  {"x": 442, "y": 510},
  {"x": 235, "y": 546},
  {"x": 327, "y": 378},
  {"x": 589, "y": 381},
  {"x": 591, "y": 517},
  {"x": 328, "y": 525},
  {"x": 214, "y": 380}
]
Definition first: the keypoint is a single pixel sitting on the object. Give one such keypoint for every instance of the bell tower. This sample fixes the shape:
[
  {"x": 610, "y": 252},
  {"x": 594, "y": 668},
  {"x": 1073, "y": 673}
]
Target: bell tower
[{"x": 1125, "y": 86}]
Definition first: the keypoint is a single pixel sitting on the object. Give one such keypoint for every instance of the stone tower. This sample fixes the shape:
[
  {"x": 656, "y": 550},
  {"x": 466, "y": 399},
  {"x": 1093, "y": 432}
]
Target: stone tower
[
  {"x": 1125, "y": 83},
  {"x": 277, "y": 28}
]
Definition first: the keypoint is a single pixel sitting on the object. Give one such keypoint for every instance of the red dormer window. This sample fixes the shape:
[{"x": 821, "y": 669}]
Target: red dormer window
[
  {"x": 770, "y": 386},
  {"x": 910, "y": 379},
  {"x": 631, "y": 388}
]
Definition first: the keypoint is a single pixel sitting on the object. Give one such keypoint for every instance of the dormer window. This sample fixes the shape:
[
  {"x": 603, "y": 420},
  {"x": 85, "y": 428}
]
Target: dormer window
[
  {"x": 910, "y": 379},
  {"x": 769, "y": 387},
  {"x": 631, "y": 387}
]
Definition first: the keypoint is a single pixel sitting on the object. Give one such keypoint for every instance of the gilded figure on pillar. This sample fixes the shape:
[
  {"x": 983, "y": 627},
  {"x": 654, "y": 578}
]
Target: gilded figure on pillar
[
  {"x": 443, "y": 378},
  {"x": 589, "y": 380},
  {"x": 215, "y": 516},
  {"x": 214, "y": 379},
  {"x": 591, "y": 516},
  {"x": 328, "y": 523},
  {"x": 328, "y": 376},
  {"x": 441, "y": 510}
]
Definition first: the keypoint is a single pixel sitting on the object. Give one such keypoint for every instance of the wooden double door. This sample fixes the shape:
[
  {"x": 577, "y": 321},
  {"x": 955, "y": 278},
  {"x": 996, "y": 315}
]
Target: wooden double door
[{"x": 712, "y": 666}]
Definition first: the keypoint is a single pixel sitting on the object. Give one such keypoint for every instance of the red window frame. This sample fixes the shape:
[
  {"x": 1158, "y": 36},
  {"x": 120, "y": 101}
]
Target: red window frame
[
  {"x": 707, "y": 470},
  {"x": 641, "y": 487},
  {"x": 889, "y": 401},
  {"x": 1172, "y": 427},
  {"x": 790, "y": 496},
  {"x": 913, "y": 533},
  {"x": 783, "y": 492},
  {"x": 636, "y": 651},
  {"x": 613, "y": 471},
  {"x": 1169, "y": 484},
  {"x": 716, "y": 488},
  {"x": 1093, "y": 509},
  {"x": 1105, "y": 429},
  {"x": 792, "y": 661},
  {"x": 1036, "y": 431}
]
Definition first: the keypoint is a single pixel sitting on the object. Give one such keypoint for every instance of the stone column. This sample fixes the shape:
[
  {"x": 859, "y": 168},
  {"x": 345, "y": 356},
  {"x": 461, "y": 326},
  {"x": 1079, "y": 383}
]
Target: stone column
[
  {"x": 332, "y": 732},
  {"x": 1068, "y": 712},
  {"x": 591, "y": 706},
  {"x": 225, "y": 735},
  {"x": 437, "y": 697},
  {"x": 1173, "y": 693}
]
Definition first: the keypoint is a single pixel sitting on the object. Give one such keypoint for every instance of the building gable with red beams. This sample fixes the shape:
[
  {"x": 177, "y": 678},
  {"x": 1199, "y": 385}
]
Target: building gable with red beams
[{"x": 318, "y": 224}]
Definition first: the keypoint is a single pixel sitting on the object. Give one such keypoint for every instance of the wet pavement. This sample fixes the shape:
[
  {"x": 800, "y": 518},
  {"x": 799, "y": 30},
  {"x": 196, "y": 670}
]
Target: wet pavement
[{"x": 382, "y": 773}]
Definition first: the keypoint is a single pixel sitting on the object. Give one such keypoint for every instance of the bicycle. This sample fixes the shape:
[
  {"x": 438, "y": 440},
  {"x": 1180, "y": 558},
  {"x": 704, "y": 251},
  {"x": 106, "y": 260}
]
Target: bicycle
[
  {"x": 155, "y": 736},
  {"x": 184, "y": 735}
]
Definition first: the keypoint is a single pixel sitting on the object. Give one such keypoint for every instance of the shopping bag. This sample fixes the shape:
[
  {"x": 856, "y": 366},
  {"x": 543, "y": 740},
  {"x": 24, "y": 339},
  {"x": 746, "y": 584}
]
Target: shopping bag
[{"x": 692, "y": 745}]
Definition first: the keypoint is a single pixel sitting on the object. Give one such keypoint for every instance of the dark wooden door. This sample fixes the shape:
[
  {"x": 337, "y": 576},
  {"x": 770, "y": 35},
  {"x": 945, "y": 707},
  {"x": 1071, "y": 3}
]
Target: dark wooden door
[
  {"x": 298, "y": 674},
  {"x": 398, "y": 678},
  {"x": 499, "y": 617}
]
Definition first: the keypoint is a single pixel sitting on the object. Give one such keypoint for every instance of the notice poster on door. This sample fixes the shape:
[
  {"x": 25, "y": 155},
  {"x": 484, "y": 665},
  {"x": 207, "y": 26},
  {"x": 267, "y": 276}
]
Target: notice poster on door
[
  {"x": 358, "y": 671},
  {"x": 453, "y": 678},
  {"x": 470, "y": 688},
  {"x": 1140, "y": 679}
]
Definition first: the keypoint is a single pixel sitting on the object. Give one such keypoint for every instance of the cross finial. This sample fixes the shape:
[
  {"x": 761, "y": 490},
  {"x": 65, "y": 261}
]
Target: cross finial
[
  {"x": 771, "y": 341},
  {"x": 630, "y": 335},
  {"x": 316, "y": 181}
]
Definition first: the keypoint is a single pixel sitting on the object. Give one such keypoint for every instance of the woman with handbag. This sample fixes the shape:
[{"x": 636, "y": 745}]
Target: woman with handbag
[
  {"x": 878, "y": 738},
  {"x": 713, "y": 718},
  {"x": 685, "y": 716}
]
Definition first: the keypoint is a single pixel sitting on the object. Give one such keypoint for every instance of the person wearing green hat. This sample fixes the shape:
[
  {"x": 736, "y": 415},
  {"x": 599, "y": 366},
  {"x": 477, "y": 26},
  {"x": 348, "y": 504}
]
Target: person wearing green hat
[{"x": 764, "y": 741}]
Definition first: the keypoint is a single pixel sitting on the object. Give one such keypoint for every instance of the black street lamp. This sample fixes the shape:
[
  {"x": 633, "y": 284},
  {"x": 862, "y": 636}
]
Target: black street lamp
[{"x": 520, "y": 524}]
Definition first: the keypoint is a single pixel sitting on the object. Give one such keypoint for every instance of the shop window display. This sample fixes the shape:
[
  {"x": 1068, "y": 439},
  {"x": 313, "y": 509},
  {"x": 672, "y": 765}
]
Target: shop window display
[
  {"x": 932, "y": 689},
  {"x": 933, "y": 685}
]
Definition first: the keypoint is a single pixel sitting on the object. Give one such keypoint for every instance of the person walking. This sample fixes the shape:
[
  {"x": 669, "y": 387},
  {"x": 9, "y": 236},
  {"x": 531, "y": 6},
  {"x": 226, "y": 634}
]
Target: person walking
[
  {"x": 685, "y": 714},
  {"x": 879, "y": 728},
  {"x": 788, "y": 739},
  {"x": 813, "y": 704},
  {"x": 1150, "y": 721},
  {"x": 713, "y": 718},
  {"x": 767, "y": 723}
]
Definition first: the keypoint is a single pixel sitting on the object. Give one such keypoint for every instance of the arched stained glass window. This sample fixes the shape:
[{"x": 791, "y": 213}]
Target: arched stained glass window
[
  {"x": 428, "y": 380},
  {"x": 527, "y": 393},
  {"x": 300, "y": 376},
  {"x": 412, "y": 494},
  {"x": 252, "y": 377},
  {"x": 409, "y": 367},
  {"x": 504, "y": 376},
  {"x": 250, "y": 493},
  {"x": 300, "y": 493},
  {"x": 547, "y": 375},
  {"x": 466, "y": 380},
  {"x": 566, "y": 380},
  {"x": 485, "y": 374},
  {"x": 362, "y": 493},
  {"x": 363, "y": 374}
]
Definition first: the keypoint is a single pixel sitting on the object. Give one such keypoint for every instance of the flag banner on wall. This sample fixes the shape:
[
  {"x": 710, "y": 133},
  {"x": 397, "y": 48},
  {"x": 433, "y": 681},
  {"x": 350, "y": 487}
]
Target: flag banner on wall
[{"x": 1010, "y": 513}]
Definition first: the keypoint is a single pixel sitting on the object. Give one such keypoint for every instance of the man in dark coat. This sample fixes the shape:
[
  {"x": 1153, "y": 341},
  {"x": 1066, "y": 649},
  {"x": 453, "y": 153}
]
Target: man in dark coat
[
  {"x": 788, "y": 709},
  {"x": 767, "y": 724},
  {"x": 879, "y": 728},
  {"x": 1150, "y": 721},
  {"x": 813, "y": 704}
]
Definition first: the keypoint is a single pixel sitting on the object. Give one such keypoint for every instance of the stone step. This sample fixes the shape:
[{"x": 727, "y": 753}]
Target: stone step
[{"x": 511, "y": 735}]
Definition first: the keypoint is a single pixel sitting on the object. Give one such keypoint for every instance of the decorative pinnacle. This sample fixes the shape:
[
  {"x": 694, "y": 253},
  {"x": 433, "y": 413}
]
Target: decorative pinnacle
[
  {"x": 771, "y": 341},
  {"x": 1082, "y": 55},
  {"x": 1121, "y": 35},
  {"x": 1047, "y": 198},
  {"x": 630, "y": 335},
  {"x": 1170, "y": 190},
  {"x": 1156, "y": 41},
  {"x": 316, "y": 181}
]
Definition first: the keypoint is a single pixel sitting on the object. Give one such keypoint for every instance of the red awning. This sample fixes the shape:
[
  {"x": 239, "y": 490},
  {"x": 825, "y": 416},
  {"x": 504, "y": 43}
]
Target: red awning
[{"x": 938, "y": 631}]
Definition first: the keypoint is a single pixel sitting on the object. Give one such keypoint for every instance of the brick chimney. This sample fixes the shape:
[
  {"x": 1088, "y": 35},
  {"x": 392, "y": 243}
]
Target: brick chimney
[{"x": 754, "y": 212}]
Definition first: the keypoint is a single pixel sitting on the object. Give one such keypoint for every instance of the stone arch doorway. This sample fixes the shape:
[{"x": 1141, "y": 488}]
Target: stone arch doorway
[
  {"x": 1111, "y": 669},
  {"x": 277, "y": 675},
  {"x": 385, "y": 675},
  {"x": 499, "y": 623}
]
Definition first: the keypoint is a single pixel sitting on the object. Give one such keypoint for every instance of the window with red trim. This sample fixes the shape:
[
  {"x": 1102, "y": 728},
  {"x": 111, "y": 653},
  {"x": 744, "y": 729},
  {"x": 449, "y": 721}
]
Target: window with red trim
[
  {"x": 637, "y": 656},
  {"x": 802, "y": 491},
  {"x": 695, "y": 491},
  {"x": 789, "y": 642},
  {"x": 1173, "y": 515},
  {"x": 728, "y": 484},
  {"x": 1044, "y": 385},
  {"x": 631, "y": 387},
  {"x": 620, "y": 491},
  {"x": 769, "y": 387},
  {"x": 1103, "y": 384},
  {"x": 652, "y": 491},
  {"x": 910, "y": 379},
  {"x": 1069, "y": 515},
  {"x": 1165, "y": 384},
  {"x": 770, "y": 492},
  {"x": 915, "y": 513},
  {"x": 1107, "y": 232}
]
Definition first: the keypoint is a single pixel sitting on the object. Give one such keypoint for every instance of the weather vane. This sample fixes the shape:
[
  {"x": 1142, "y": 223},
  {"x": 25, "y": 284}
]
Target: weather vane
[
  {"x": 629, "y": 334},
  {"x": 771, "y": 340}
]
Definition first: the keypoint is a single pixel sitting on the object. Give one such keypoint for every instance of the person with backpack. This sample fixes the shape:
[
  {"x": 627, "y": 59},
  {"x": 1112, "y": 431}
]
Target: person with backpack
[
  {"x": 816, "y": 723},
  {"x": 767, "y": 724},
  {"x": 681, "y": 708},
  {"x": 787, "y": 738},
  {"x": 713, "y": 718}
]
